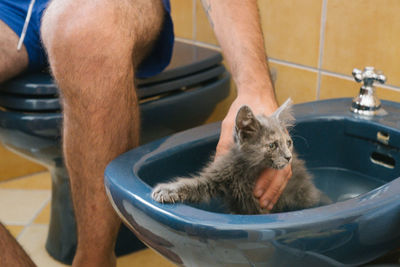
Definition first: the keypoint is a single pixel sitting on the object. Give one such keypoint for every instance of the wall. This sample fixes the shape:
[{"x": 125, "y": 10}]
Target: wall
[{"x": 313, "y": 45}]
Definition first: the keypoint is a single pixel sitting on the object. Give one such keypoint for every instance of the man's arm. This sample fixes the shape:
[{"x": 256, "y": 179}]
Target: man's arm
[{"x": 236, "y": 24}]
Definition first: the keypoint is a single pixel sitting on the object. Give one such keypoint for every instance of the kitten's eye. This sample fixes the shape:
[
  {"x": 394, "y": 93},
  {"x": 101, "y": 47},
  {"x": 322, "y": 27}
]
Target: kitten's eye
[
  {"x": 289, "y": 143},
  {"x": 272, "y": 145}
]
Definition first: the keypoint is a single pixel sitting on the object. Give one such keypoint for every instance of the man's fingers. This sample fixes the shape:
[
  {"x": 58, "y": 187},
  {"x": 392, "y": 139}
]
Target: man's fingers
[
  {"x": 288, "y": 176},
  {"x": 263, "y": 182},
  {"x": 272, "y": 191},
  {"x": 273, "y": 202},
  {"x": 275, "y": 188}
]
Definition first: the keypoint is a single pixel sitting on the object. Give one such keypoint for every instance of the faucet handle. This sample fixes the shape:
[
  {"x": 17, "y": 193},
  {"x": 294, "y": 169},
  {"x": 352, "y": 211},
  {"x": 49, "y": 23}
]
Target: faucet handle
[
  {"x": 358, "y": 75},
  {"x": 381, "y": 78},
  {"x": 368, "y": 76},
  {"x": 367, "y": 103}
]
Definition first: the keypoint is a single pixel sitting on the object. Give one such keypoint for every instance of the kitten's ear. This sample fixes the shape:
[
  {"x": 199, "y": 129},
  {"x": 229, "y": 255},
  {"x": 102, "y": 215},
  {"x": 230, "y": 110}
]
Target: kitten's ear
[
  {"x": 284, "y": 114},
  {"x": 246, "y": 123}
]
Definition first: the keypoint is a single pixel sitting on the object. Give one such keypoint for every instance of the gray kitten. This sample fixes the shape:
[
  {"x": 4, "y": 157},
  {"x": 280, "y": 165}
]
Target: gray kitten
[{"x": 259, "y": 143}]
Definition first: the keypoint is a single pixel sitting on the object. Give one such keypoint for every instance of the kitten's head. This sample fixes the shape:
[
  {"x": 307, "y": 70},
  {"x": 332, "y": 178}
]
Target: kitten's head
[{"x": 265, "y": 140}]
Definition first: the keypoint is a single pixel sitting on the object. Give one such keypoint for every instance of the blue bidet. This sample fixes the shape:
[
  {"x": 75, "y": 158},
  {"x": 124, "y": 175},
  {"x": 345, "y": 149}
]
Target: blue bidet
[{"x": 354, "y": 160}]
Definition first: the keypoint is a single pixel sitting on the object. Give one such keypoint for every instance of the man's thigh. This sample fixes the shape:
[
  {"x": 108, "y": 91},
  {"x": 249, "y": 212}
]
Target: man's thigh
[
  {"x": 12, "y": 61},
  {"x": 31, "y": 56}
]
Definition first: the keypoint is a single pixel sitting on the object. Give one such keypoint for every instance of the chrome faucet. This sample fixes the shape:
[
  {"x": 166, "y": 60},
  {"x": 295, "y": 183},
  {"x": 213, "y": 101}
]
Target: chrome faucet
[{"x": 367, "y": 103}]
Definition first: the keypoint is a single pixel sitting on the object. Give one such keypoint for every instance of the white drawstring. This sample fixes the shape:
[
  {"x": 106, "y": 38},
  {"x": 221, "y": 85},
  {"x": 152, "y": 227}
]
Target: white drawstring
[{"x": 27, "y": 19}]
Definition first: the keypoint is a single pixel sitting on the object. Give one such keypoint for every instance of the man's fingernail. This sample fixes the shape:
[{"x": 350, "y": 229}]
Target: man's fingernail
[
  {"x": 265, "y": 204},
  {"x": 270, "y": 206},
  {"x": 259, "y": 192}
]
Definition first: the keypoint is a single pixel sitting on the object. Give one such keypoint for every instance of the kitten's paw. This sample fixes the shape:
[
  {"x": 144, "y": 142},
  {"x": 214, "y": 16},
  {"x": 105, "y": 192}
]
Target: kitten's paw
[{"x": 166, "y": 193}]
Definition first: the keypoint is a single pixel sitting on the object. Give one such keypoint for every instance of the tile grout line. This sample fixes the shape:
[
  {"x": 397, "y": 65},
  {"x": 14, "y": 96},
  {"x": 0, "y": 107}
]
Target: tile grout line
[
  {"x": 34, "y": 217},
  {"x": 201, "y": 44},
  {"x": 206, "y": 45},
  {"x": 321, "y": 46},
  {"x": 325, "y": 72},
  {"x": 25, "y": 189},
  {"x": 350, "y": 78},
  {"x": 293, "y": 65}
]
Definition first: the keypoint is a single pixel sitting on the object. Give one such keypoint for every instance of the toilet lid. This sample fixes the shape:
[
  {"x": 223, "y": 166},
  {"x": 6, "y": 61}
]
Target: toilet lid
[
  {"x": 51, "y": 102},
  {"x": 29, "y": 104},
  {"x": 186, "y": 59}
]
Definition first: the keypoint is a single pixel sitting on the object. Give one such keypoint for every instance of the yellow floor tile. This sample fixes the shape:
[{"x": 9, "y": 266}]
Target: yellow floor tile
[
  {"x": 33, "y": 240},
  {"x": 15, "y": 230},
  {"x": 13, "y": 165},
  {"x": 44, "y": 215},
  {"x": 144, "y": 258},
  {"x": 20, "y": 206},
  {"x": 38, "y": 181}
]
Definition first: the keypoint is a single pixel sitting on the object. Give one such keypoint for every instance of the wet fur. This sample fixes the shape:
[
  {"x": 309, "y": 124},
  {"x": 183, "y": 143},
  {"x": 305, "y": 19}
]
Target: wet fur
[{"x": 233, "y": 175}]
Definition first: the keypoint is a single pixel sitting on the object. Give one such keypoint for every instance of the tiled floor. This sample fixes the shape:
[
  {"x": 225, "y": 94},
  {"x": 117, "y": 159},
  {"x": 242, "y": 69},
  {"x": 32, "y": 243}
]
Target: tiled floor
[{"x": 25, "y": 211}]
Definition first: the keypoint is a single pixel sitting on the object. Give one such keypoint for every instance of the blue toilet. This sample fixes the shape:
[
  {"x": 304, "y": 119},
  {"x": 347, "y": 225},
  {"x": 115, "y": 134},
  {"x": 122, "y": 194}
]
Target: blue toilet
[{"x": 181, "y": 97}]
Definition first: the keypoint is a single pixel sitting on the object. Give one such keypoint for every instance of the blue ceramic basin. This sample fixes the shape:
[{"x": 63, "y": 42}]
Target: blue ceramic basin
[{"x": 355, "y": 161}]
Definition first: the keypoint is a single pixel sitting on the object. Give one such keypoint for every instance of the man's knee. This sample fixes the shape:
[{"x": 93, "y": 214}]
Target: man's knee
[{"x": 70, "y": 28}]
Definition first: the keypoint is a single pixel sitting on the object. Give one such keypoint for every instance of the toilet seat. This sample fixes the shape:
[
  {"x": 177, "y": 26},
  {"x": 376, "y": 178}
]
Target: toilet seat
[{"x": 44, "y": 97}]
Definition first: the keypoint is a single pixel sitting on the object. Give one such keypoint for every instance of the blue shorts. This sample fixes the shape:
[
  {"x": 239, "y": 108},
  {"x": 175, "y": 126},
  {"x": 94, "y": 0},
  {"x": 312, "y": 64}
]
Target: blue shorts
[{"x": 13, "y": 13}]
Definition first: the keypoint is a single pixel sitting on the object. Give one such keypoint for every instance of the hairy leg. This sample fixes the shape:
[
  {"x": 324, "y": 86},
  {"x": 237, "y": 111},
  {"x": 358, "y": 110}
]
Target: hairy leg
[
  {"x": 12, "y": 61},
  {"x": 93, "y": 48},
  {"x": 12, "y": 253}
]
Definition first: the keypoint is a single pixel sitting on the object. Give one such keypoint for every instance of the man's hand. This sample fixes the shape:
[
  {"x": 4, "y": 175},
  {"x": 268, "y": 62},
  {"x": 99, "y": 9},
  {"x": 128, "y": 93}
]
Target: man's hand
[
  {"x": 272, "y": 182},
  {"x": 270, "y": 186}
]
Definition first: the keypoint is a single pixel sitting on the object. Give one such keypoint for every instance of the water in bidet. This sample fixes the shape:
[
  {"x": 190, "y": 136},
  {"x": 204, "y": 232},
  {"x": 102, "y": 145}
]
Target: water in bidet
[
  {"x": 337, "y": 183},
  {"x": 342, "y": 184}
]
